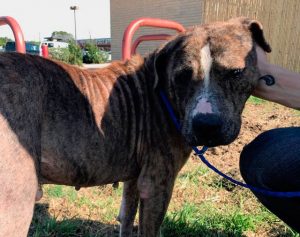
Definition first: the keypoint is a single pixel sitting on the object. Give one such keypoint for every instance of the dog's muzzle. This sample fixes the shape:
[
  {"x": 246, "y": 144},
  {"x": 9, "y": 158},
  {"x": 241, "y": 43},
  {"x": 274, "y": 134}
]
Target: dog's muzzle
[{"x": 207, "y": 129}]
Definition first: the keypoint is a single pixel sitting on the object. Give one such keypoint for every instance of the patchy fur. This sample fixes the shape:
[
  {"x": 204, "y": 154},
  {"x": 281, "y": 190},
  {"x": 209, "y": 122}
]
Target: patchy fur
[{"x": 66, "y": 125}]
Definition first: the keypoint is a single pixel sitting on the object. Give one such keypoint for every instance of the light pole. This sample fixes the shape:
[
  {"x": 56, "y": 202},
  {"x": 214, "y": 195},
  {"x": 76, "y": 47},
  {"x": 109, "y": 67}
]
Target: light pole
[{"x": 74, "y": 8}]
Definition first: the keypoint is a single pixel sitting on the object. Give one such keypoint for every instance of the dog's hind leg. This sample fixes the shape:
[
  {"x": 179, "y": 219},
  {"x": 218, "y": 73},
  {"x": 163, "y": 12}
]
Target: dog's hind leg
[
  {"x": 128, "y": 208},
  {"x": 18, "y": 184}
]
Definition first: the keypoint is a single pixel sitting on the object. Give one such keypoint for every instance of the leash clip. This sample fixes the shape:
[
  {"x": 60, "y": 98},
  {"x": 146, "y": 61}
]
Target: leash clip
[{"x": 202, "y": 151}]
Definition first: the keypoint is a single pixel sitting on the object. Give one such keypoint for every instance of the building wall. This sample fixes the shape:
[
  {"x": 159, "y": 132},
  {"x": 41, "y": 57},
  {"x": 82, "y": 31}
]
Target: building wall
[
  {"x": 186, "y": 12},
  {"x": 279, "y": 18}
]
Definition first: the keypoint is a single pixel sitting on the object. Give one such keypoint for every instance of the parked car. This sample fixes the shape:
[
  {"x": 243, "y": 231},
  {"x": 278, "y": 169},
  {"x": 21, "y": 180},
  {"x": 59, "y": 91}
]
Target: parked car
[
  {"x": 31, "y": 48},
  {"x": 55, "y": 44}
]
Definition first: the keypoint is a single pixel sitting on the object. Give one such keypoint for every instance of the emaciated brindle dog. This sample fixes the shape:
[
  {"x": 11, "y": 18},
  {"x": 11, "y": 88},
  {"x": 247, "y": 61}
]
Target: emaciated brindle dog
[{"x": 62, "y": 124}]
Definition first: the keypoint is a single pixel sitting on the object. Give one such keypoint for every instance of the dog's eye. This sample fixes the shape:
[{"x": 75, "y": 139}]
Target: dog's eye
[
  {"x": 235, "y": 73},
  {"x": 184, "y": 76}
]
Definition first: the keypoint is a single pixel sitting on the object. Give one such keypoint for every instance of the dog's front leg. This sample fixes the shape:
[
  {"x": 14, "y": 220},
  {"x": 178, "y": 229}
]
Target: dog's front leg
[
  {"x": 155, "y": 195},
  {"x": 128, "y": 208}
]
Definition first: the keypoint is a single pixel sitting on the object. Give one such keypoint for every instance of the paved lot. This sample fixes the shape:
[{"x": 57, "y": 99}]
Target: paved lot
[{"x": 95, "y": 65}]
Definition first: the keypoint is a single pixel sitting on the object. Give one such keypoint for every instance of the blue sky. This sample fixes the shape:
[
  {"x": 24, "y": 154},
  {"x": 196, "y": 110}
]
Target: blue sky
[{"x": 39, "y": 18}]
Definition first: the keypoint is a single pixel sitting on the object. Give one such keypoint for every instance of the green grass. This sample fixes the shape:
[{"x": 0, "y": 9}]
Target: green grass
[
  {"x": 92, "y": 212},
  {"x": 55, "y": 191},
  {"x": 203, "y": 220},
  {"x": 193, "y": 176},
  {"x": 45, "y": 225},
  {"x": 256, "y": 100},
  {"x": 206, "y": 220},
  {"x": 59, "y": 191},
  {"x": 201, "y": 206},
  {"x": 52, "y": 227}
]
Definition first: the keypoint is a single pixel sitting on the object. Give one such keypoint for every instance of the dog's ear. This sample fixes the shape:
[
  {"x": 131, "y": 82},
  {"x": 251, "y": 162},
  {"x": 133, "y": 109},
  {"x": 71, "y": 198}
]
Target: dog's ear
[
  {"x": 162, "y": 58},
  {"x": 160, "y": 66},
  {"x": 256, "y": 29},
  {"x": 258, "y": 35}
]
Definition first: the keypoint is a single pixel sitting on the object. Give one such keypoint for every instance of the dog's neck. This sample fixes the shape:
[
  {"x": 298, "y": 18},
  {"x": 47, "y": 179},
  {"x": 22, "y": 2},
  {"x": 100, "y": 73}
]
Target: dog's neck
[{"x": 148, "y": 112}]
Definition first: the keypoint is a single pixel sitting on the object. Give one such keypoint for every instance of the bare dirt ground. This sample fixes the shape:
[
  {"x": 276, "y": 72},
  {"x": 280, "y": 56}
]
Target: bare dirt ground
[{"x": 256, "y": 119}]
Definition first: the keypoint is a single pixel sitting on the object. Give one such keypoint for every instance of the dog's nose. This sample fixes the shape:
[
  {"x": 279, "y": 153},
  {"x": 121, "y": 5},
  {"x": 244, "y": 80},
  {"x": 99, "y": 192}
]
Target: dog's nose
[
  {"x": 203, "y": 107},
  {"x": 207, "y": 127}
]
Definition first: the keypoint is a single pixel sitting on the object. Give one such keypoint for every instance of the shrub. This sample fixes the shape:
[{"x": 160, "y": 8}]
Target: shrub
[
  {"x": 71, "y": 55},
  {"x": 94, "y": 55},
  {"x": 75, "y": 54},
  {"x": 4, "y": 40},
  {"x": 61, "y": 54}
]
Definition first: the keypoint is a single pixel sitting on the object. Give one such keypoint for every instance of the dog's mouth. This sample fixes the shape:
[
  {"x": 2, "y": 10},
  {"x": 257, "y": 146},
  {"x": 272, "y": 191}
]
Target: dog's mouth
[
  {"x": 209, "y": 142},
  {"x": 211, "y": 130}
]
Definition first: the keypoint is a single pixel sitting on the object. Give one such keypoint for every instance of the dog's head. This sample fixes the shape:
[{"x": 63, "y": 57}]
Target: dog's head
[{"x": 208, "y": 73}]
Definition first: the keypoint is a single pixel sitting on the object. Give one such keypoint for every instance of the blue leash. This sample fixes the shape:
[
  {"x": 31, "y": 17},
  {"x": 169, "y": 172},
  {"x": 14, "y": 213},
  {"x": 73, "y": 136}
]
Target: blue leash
[{"x": 201, "y": 152}]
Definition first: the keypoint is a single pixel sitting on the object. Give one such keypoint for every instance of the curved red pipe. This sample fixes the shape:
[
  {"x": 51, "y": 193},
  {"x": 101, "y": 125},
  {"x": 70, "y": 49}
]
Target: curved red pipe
[
  {"x": 147, "y": 38},
  {"x": 18, "y": 34},
  {"x": 141, "y": 22}
]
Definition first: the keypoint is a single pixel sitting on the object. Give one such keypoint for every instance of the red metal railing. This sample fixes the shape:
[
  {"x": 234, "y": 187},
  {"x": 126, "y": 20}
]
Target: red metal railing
[
  {"x": 18, "y": 34},
  {"x": 147, "y": 38},
  {"x": 127, "y": 49}
]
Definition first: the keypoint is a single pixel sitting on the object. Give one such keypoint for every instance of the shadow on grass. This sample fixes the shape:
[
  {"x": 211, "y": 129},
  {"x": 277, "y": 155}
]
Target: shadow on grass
[
  {"x": 44, "y": 225},
  {"x": 177, "y": 230}
]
